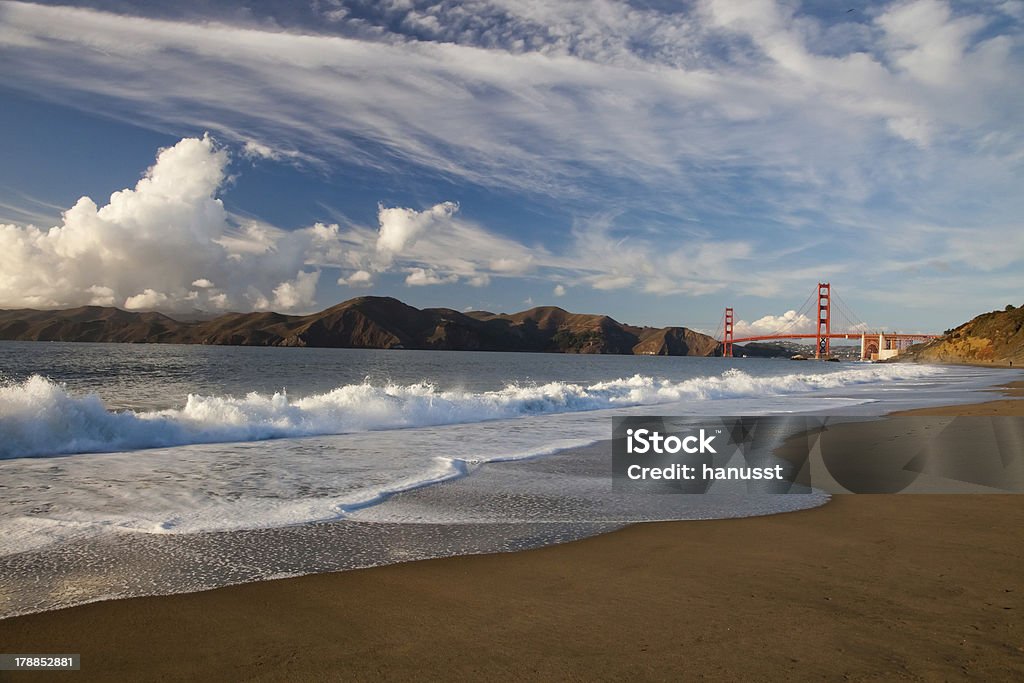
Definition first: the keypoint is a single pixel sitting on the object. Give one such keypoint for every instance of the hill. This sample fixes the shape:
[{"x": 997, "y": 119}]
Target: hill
[
  {"x": 366, "y": 322},
  {"x": 89, "y": 323},
  {"x": 996, "y": 337}
]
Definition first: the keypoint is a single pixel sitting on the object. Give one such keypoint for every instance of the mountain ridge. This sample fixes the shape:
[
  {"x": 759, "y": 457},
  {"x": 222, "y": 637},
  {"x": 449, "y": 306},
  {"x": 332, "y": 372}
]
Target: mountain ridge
[{"x": 366, "y": 322}]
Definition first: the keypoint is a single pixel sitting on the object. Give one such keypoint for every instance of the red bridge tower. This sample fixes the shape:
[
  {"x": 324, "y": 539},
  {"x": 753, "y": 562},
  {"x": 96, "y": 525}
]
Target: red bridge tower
[
  {"x": 823, "y": 349},
  {"x": 727, "y": 341}
]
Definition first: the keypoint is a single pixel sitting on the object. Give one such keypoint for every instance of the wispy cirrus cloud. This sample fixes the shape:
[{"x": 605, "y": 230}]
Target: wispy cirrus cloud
[
  {"x": 530, "y": 94},
  {"x": 884, "y": 144}
]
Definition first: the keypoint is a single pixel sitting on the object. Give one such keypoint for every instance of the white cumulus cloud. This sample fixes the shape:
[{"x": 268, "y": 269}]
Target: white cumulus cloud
[
  {"x": 360, "y": 278},
  {"x": 421, "y": 277},
  {"x": 162, "y": 244},
  {"x": 789, "y": 322},
  {"x": 148, "y": 300},
  {"x": 399, "y": 228}
]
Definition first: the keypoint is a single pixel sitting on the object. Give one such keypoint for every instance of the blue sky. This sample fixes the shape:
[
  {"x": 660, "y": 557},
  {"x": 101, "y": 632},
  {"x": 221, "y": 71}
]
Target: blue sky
[{"x": 656, "y": 161}]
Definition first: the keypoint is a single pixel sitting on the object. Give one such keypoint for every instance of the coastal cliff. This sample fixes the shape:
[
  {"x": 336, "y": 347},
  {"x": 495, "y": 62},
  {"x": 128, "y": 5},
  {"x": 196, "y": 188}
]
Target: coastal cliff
[
  {"x": 996, "y": 337},
  {"x": 366, "y": 322}
]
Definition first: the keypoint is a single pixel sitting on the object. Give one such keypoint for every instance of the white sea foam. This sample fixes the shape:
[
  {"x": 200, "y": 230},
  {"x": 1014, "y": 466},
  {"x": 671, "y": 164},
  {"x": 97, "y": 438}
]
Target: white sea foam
[{"x": 40, "y": 417}]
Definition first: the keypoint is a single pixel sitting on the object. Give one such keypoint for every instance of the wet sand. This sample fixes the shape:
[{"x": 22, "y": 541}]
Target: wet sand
[
  {"x": 1009, "y": 406},
  {"x": 870, "y": 587}
]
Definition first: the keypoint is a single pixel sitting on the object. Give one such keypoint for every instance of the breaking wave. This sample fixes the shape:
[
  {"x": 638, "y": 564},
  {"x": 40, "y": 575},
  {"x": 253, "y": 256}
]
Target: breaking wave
[{"x": 40, "y": 417}]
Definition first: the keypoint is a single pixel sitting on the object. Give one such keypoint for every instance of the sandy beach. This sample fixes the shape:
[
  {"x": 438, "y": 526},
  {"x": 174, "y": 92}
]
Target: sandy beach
[
  {"x": 871, "y": 587},
  {"x": 1005, "y": 406},
  {"x": 511, "y": 340}
]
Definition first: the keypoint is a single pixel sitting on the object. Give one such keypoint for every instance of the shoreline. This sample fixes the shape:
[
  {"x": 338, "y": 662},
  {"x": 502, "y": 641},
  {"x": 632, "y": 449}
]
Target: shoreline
[
  {"x": 916, "y": 586},
  {"x": 993, "y": 365},
  {"x": 1010, "y": 406},
  {"x": 866, "y": 587}
]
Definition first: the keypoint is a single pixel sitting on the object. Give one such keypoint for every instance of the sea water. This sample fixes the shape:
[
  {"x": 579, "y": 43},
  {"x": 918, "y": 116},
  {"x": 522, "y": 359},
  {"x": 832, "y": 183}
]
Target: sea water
[{"x": 142, "y": 469}]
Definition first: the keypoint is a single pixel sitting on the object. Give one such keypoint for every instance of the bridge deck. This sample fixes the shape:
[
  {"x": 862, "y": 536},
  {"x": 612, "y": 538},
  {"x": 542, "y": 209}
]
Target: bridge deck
[{"x": 833, "y": 335}]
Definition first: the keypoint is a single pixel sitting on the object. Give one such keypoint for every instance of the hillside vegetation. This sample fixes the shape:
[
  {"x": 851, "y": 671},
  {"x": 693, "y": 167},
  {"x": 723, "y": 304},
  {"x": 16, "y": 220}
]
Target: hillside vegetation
[{"x": 996, "y": 337}]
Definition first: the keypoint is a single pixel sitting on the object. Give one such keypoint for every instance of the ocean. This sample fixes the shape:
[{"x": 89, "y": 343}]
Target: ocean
[{"x": 150, "y": 469}]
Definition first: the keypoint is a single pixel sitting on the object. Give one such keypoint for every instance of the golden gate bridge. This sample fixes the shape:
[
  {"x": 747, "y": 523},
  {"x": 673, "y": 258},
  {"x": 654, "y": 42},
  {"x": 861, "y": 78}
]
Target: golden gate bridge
[{"x": 830, "y": 313}]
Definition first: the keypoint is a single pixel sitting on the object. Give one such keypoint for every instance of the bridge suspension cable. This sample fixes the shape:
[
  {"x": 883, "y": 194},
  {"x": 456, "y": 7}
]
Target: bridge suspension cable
[
  {"x": 801, "y": 314},
  {"x": 846, "y": 314}
]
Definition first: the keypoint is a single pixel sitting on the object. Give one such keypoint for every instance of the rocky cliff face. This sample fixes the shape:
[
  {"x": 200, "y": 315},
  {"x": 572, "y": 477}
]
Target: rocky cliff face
[
  {"x": 367, "y": 322},
  {"x": 996, "y": 337}
]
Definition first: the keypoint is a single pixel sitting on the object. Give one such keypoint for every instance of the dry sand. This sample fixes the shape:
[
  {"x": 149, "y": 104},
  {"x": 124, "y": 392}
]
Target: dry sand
[{"x": 902, "y": 587}]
